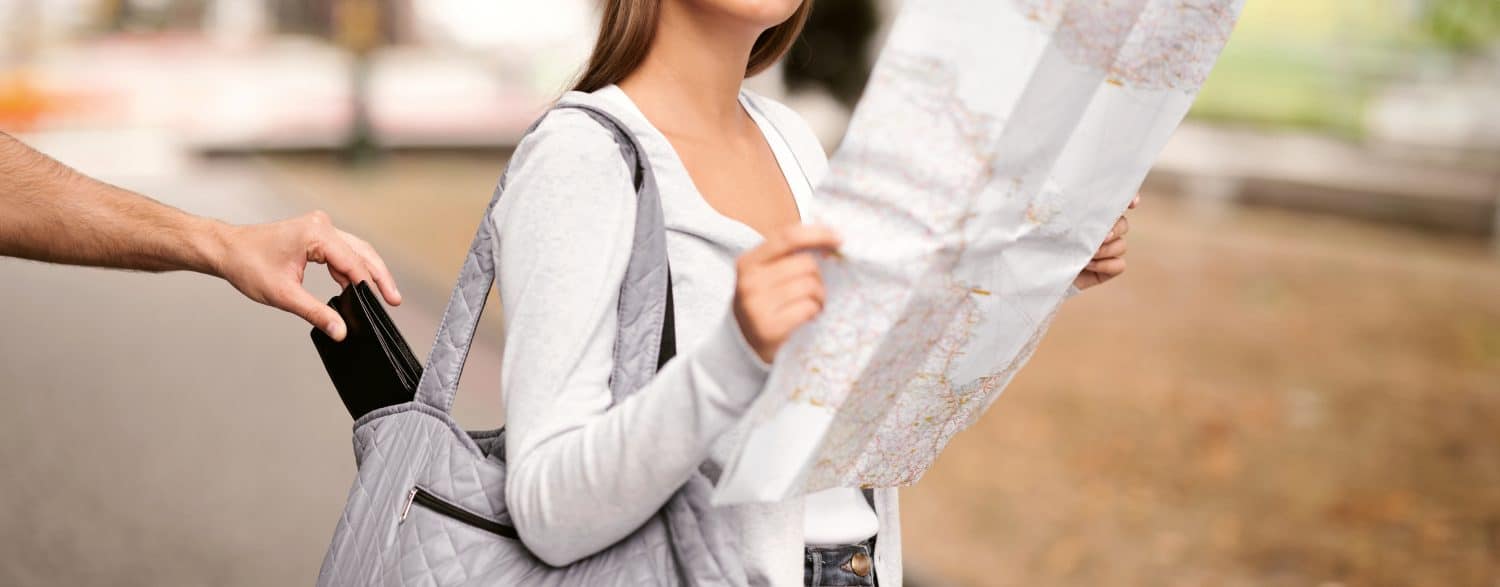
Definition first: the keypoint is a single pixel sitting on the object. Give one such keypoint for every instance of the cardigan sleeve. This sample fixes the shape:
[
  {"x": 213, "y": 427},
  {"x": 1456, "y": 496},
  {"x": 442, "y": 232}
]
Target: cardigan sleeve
[{"x": 584, "y": 474}]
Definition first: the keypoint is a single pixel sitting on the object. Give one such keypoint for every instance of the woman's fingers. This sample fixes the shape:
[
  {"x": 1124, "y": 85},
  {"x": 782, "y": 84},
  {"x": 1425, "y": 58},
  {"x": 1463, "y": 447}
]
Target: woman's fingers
[
  {"x": 782, "y": 270},
  {"x": 1107, "y": 267},
  {"x": 798, "y": 313},
  {"x": 804, "y": 288},
  {"x": 793, "y": 239},
  {"x": 1119, "y": 230},
  {"x": 778, "y": 286},
  {"x": 1114, "y": 248},
  {"x": 774, "y": 298},
  {"x": 1109, "y": 260}
]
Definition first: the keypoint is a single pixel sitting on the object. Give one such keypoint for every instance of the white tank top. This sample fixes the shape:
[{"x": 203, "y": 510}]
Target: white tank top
[{"x": 833, "y": 516}]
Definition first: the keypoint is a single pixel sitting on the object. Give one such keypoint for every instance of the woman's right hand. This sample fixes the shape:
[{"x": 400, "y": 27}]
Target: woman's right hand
[{"x": 778, "y": 287}]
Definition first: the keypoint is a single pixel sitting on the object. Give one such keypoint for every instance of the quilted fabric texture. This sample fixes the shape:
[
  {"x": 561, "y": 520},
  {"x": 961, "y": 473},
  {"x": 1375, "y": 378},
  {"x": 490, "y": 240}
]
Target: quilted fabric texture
[{"x": 383, "y": 538}]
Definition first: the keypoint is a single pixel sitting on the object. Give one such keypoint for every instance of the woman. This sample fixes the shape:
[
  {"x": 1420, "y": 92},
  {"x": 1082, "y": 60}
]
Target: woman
[{"x": 734, "y": 171}]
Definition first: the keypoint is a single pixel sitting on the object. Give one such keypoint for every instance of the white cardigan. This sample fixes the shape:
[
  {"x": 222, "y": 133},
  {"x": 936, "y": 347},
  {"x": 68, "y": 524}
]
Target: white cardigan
[{"x": 583, "y": 475}]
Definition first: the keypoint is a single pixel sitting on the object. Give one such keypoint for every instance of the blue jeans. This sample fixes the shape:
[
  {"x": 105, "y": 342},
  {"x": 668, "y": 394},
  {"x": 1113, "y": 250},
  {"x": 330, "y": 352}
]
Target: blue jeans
[{"x": 851, "y": 565}]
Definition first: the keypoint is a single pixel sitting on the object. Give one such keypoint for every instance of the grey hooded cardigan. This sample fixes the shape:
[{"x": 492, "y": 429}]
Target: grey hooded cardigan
[{"x": 583, "y": 475}]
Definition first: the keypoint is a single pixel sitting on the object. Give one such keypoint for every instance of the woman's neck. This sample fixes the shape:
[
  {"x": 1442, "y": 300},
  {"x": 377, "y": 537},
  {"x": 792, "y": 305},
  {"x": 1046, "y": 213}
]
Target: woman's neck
[{"x": 689, "y": 82}]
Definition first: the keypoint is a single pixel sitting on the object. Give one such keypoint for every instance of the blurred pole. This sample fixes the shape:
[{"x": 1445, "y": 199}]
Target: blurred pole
[
  {"x": 1495, "y": 226},
  {"x": 357, "y": 28}
]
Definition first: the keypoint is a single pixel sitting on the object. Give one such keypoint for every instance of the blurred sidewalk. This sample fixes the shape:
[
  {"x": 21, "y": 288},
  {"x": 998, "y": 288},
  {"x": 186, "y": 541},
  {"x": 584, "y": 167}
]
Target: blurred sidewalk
[{"x": 162, "y": 430}]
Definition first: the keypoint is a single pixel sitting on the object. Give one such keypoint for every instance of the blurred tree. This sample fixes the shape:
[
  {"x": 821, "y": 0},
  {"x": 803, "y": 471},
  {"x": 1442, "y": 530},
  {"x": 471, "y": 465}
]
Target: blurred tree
[
  {"x": 1462, "y": 25},
  {"x": 834, "y": 51}
]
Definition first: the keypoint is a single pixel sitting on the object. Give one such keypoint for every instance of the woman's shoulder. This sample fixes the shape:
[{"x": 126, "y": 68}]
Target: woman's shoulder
[
  {"x": 567, "y": 141},
  {"x": 565, "y": 177},
  {"x": 566, "y": 130}
]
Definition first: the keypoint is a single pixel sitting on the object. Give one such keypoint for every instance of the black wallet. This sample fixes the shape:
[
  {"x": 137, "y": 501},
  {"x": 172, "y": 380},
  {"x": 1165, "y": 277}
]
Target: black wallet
[{"x": 373, "y": 367}]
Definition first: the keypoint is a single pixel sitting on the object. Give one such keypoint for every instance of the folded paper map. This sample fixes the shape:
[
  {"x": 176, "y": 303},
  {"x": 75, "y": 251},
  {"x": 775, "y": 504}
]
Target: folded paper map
[{"x": 997, "y": 143}]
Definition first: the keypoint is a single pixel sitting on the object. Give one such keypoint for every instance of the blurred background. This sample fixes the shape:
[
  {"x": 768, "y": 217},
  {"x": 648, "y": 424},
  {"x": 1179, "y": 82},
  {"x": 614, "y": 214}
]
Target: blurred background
[{"x": 1296, "y": 383}]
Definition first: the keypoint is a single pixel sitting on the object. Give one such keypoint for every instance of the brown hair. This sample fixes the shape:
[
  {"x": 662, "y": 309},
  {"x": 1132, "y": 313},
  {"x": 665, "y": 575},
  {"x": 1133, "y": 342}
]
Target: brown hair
[{"x": 629, "y": 26}]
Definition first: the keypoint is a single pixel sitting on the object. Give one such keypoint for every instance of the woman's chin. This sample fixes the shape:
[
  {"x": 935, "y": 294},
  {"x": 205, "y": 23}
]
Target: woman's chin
[{"x": 762, "y": 14}]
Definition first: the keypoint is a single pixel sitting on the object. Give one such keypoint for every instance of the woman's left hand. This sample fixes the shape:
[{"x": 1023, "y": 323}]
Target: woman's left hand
[{"x": 1109, "y": 261}]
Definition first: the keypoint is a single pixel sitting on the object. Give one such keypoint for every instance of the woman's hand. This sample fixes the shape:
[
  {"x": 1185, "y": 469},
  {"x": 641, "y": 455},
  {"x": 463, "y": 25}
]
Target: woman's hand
[
  {"x": 778, "y": 286},
  {"x": 1109, "y": 260}
]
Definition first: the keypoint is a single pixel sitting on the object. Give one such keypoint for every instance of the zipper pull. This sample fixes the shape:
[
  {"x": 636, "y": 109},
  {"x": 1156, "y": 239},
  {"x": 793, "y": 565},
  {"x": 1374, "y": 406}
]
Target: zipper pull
[{"x": 411, "y": 496}]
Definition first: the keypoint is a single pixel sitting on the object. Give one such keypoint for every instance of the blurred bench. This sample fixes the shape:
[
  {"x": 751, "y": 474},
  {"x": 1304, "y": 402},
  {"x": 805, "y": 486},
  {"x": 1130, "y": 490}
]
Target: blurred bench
[{"x": 1451, "y": 192}]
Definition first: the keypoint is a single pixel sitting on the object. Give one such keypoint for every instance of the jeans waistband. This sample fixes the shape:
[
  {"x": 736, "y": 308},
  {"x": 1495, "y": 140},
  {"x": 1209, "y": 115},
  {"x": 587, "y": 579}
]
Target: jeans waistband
[{"x": 850, "y": 565}]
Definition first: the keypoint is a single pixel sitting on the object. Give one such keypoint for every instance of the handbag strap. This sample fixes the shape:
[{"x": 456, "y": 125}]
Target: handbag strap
[{"x": 647, "y": 278}]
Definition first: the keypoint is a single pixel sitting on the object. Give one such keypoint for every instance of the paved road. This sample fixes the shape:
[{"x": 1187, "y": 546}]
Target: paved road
[{"x": 160, "y": 430}]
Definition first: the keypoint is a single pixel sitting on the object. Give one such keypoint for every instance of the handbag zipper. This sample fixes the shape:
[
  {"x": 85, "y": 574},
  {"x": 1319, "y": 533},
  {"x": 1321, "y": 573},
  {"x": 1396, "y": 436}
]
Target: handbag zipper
[{"x": 439, "y": 506}]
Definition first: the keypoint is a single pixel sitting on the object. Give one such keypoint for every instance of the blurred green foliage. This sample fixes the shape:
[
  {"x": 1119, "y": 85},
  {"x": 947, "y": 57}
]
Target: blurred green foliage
[
  {"x": 1315, "y": 64},
  {"x": 1462, "y": 25},
  {"x": 1303, "y": 64},
  {"x": 1280, "y": 87}
]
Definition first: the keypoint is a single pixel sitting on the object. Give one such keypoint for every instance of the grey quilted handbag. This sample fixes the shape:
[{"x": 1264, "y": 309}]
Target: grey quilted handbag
[{"x": 428, "y": 504}]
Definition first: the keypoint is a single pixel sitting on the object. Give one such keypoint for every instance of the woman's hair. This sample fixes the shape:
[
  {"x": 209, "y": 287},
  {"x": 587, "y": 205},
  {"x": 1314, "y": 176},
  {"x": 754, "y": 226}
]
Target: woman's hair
[{"x": 629, "y": 26}]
